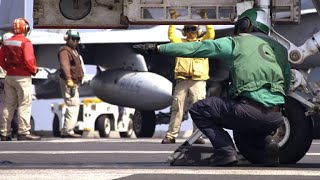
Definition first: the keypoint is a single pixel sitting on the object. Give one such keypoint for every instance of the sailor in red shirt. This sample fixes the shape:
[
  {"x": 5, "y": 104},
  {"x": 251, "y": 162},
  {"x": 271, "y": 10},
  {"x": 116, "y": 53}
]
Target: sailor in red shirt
[{"x": 17, "y": 58}]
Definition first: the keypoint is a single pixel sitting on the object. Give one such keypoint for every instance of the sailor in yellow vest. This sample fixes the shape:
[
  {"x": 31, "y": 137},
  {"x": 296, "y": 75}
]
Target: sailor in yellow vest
[{"x": 190, "y": 76}]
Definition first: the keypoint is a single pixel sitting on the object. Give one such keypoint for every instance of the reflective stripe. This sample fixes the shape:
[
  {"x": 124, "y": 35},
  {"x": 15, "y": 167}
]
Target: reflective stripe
[{"x": 13, "y": 43}]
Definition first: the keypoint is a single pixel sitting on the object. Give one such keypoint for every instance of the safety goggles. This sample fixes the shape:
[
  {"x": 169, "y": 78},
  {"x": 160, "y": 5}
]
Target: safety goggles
[
  {"x": 192, "y": 29},
  {"x": 75, "y": 38}
]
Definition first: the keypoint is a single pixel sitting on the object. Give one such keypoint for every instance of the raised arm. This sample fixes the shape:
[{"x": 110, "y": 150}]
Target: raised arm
[
  {"x": 172, "y": 35},
  {"x": 210, "y": 32}
]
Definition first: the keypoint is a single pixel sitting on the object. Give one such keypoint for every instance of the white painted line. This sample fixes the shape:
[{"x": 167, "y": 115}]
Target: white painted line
[
  {"x": 114, "y": 140},
  {"x": 60, "y": 174},
  {"x": 102, "y": 152},
  {"x": 86, "y": 152},
  {"x": 178, "y": 141},
  {"x": 126, "y": 172},
  {"x": 111, "y": 140}
]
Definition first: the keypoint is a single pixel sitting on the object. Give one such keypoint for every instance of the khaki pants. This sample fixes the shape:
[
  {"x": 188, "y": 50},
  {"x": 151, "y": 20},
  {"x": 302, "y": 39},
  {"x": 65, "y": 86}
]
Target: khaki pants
[
  {"x": 17, "y": 96},
  {"x": 72, "y": 108},
  {"x": 184, "y": 91}
]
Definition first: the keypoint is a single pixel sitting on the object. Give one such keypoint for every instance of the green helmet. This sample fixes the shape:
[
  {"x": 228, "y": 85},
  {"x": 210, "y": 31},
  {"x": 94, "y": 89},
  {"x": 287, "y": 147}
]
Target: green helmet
[
  {"x": 258, "y": 19},
  {"x": 71, "y": 33}
]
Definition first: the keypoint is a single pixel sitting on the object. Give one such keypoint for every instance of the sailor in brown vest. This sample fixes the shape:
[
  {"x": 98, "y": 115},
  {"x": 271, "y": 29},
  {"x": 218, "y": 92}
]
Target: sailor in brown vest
[{"x": 71, "y": 75}]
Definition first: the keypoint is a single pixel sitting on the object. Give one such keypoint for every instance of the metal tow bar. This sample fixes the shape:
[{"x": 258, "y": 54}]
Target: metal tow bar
[{"x": 182, "y": 148}]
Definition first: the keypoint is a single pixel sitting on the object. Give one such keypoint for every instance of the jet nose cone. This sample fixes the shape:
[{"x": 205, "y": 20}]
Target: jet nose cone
[{"x": 157, "y": 93}]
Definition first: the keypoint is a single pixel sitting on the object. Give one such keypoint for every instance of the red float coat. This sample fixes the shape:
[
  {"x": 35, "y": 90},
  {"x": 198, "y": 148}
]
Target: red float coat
[{"x": 17, "y": 56}]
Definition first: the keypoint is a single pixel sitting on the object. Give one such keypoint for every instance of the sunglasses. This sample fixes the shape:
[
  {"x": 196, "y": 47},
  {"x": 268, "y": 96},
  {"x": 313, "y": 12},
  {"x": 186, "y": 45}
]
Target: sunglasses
[
  {"x": 75, "y": 38},
  {"x": 191, "y": 29}
]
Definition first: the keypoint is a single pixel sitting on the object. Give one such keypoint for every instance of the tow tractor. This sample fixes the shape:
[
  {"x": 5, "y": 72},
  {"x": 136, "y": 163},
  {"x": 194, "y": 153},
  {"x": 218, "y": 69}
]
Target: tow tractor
[{"x": 95, "y": 114}]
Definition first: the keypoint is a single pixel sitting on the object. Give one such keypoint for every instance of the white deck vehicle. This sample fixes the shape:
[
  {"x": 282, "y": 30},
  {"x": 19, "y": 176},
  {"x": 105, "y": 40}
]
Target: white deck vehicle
[{"x": 95, "y": 114}]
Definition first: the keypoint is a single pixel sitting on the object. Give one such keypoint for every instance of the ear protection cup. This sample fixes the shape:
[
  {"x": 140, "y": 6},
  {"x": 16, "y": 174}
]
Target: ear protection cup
[
  {"x": 66, "y": 36},
  {"x": 244, "y": 25},
  {"x": 28, "y": 30},
  {"x": 27, "y": 27},
  {"x": 199, "y": 32},
  {"x": 236, "y": 29},
  {"x": 183, "y": 32}
]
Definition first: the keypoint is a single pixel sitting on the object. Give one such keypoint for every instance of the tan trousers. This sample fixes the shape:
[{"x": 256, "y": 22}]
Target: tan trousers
[
  {"x": 72, "y": 108},
  {"x": 17, "y": 96},
  {"x": 185, "y": 92}
]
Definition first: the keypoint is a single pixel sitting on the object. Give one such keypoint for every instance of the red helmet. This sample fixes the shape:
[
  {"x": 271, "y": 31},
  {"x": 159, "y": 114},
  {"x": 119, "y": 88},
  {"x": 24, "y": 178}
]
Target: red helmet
[{"x": 21, "y": 26}]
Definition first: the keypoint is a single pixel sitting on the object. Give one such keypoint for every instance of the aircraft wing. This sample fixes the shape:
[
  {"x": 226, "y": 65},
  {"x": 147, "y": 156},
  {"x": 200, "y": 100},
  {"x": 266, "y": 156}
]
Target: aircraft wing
[{"x": 153, "y": 34}]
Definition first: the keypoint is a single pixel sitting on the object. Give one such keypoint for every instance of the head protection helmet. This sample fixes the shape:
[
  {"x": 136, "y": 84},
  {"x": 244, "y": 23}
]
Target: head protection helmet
[
  {"x": 72, "y": 34},
  {"x": 21, "y": 26},
  {"x": 191, "y": 28},
  {"x": 253, "y": 20}
]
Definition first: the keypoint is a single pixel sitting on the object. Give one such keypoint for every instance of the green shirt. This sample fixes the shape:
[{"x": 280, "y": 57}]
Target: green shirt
[{"x": 258, "y": 65}]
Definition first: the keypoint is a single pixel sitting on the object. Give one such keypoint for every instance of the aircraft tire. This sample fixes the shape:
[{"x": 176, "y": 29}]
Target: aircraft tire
[
  {"x": 294, "y": 137},
  {"x": 316, "y": 127},
  {"x": 144, "y": 123},
  {"x": 56, "y": 126},
  {"x": 103, "y": 125},
  {"x": 129, "y": 132}
]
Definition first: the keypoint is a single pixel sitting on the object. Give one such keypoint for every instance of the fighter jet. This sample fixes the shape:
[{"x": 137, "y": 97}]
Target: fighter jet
[{"x": 129, "y": 79}]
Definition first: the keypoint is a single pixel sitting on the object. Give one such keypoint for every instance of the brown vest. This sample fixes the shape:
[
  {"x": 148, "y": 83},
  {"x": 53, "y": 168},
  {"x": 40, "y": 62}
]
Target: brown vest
[{"x": 75, "y": 65}]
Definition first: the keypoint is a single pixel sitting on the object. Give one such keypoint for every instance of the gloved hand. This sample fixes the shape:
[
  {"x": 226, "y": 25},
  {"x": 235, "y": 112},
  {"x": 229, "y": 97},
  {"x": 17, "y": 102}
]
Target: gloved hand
[
  {"x": 174, "y": 14},
  {"x": 203, "y": 14},
  {"x": 148, "y": 48},
  {"x": 33, "y": 74},
  {"x": 70, "y": 83}
]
